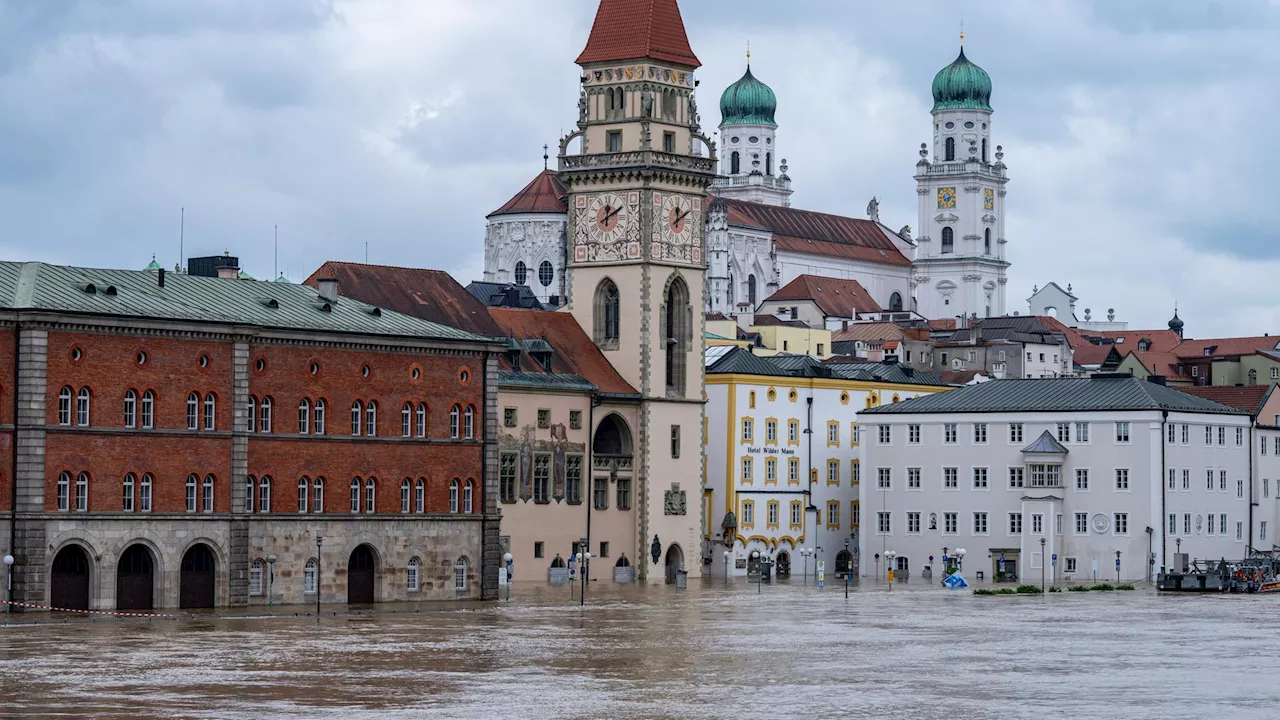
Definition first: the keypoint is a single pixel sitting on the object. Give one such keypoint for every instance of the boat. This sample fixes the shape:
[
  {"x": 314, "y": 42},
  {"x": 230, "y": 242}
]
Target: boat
[{"x": 1257, "y": 573}]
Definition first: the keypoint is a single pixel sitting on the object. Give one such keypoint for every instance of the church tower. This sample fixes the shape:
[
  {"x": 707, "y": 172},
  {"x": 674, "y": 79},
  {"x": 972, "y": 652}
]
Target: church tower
[
  {"x": 749, "y": 167},
  {"x": 960, "y": 267},
  {"x": 637, "y": 196}
]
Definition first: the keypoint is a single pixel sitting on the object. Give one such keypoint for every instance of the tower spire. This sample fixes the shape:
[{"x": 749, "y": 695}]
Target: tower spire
[
  {"x": 748, "y": 53},
  {"x": 545, "y": 156},
  {"x": 961, "y": 33}
]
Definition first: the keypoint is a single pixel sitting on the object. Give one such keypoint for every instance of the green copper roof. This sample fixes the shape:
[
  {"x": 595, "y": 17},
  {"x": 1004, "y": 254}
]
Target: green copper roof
[
  {"x": 153, "y": 265},
  {"x": 748, "y": 102},
  {"x": 962, "y": 86}
]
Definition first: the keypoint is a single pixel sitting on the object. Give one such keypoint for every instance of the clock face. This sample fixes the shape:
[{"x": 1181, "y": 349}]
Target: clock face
[
  {"x": 608, "y": 215},
  {"x": 946, "y": 197},
  {"x": 676, "y": 210}
]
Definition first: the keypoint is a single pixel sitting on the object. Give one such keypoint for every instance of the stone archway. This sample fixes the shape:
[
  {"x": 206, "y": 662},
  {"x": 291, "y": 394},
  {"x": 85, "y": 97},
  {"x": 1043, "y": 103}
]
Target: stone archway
[
  {"x": 362, "y": 567},
  {"x": 196, "y": 584},
  {"x": 69, "y": 579},
  {"x": 674, "y": 562},
  {"x": 783, "y": 569},
  {"x": 135, "y": 579}
]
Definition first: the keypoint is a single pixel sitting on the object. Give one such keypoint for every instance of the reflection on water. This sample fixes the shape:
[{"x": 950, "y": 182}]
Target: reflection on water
[{"x": 643, "y": 652}]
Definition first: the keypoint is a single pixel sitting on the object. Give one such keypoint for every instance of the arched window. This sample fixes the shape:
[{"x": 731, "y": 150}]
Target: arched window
[
  {"x": 984, "y": 150},
  {"x": 895, "y": 302},
  {"x": 252, "y": 418},
  {"x": 264, "y": 494},
  {"x": 304, "y": 416},
  {"x": 193, "y": 411},
  {"x": 948, "y": 240},
  {"x": 460, "y": 575},
  {"x": 454, "y": 417},
  {"x": 950, "y": 149},
  {"x": 129, "y": 481},
  {"x": 255, "y": 578},
  {"x": 82, "y": 407},
  {"x": 304, "y": 492},
  {"x": 1253, "y": 377},
  {"x": 357, "y": 416},
  {"x": 210, "y": 408},
  {"x": 411, "y": 574},
  {"x": 317, "y": 495},
  {"x": 608, "y": 314},
  {"x": 309, "y": 577},
  {"x": 319, "y": 417},
  {"x": 404, "y": 495},
  {"x": 266, "y": 415},
  {"x": 144, "y": 493},
  {"x": 64, "y": 491},
  {"x": 422, "y": 419},
  {"x": 469, "y": 422},
  {"x": 546, "y": 273},
  {"x": 467, "y": 496},
  {"x": 420, "y": 496},
  {"x": 130, "y": 409},
  {"x": 522, "y": 273},
  {"x": 986, "y": 241},
  {"x": 369, "y": 486},
  {"x": 82, "y": 492},
  {"x": 64, "y": 406},
  {"x": 768, "y": 163},
  {"x": 406, "y": 420},
  {"x": 735, "y": 163},
  {"x": 206, "y": 496},
  {"x": 250, "y": 492},
  {"x": 371, "y": 418},
  {"x": 355, "y": 495},
  {"x": 191, "y": 493},
  {"x": 148, "y": 410},
  {"x": 751, "y": 291},
  {"x": 453, "y": 495},
  {"x": 678, "y": 334}
]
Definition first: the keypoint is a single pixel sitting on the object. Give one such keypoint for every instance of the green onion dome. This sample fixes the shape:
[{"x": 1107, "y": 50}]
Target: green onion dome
[
  {"x": 748, "y": 102},
  {"x": 962, "y": 86}
]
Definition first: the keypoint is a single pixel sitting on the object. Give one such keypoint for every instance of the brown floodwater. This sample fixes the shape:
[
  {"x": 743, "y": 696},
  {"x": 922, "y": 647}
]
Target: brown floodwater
[{"x": 654, "y": 652}]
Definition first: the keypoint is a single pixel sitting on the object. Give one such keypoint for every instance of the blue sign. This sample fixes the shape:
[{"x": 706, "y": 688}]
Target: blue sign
[
  {"x": 955, "y": 581},
  {"x": 1117, "y": 563},
  {"x": 1053, "y": 559}
]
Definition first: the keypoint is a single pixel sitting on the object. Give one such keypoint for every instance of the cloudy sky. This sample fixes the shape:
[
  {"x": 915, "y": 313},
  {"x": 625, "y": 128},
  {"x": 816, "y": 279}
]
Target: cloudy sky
[{"x": 1135, "y": 132}]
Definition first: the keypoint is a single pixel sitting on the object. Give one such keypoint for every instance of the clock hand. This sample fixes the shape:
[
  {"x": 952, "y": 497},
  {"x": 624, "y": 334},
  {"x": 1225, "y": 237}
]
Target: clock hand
[
  {"x": 615, "y": 212},
  {"x": 682, "y": 216}
]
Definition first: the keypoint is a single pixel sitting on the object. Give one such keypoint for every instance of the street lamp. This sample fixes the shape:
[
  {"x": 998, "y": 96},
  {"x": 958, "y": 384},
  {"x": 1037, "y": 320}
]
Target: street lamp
[
  {"x": 1041, "y": 564},
  {"x": 319, "y": 542},
  {"x": 960, "y": 553},
  {"x": 271, "y": 575},
  {"x": 726, "y": 567},
  {"x": 8, "y": 585},
  {"x": 889, "y": 555},
  {"x": 506, "y": 558},
  {"x": 878, "y": 567},
  {"x": 805, "y": 553},
  {"x": 1117, "y": 566},
  {"x": 848, "y": 569},
  {"x": 755, "y": 556},
  {"x": 584, "y": 557}
]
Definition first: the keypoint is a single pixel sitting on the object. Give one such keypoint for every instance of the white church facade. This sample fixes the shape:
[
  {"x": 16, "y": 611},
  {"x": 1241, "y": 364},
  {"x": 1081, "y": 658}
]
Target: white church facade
[{"x": 756, "y": 241}]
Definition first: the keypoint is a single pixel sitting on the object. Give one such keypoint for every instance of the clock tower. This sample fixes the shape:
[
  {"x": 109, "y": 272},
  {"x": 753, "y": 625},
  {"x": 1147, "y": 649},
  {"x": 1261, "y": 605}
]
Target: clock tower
[{"x": 637, "y": 170}]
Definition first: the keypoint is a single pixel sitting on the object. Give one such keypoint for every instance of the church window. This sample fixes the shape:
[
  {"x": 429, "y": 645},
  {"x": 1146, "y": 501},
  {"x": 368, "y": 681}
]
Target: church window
[
  {"x": 895, "y": 302},
  {"x": 968, "y": 125},
  {"x": 986, "y": 241},
  {"x": 768, "y": 163},
  {"x": 984, "y": 149},
  {"x": 522, "y": 273},
  {"x": 615, "y": 141},
  {"x": 678, "y": 335},
  {"x": 546, "y": 273},
  {"x": 751, "y": 291},
  {"x": 607, "y": 314},
  {"x": 735, "y": 162},
  {"x": 950, "y": 148},
  {"x": 951, "y": 126},
  {"x": 948, "y": 240},
  {"x": 668, "y": 142}
]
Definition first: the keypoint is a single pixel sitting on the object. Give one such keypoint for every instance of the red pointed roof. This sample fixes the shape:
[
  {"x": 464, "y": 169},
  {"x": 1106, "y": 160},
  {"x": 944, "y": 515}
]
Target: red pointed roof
[
  {"x": 637, "y": 29},
  {"x": 544, "y": 194},
  {"x": 835, "y": 297}
]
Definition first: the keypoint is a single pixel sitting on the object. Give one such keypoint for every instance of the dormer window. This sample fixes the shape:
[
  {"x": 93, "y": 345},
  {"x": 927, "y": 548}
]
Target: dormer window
[
  {"x": 513, "y": 359},
  {"x": 1208, "y": 352},
  {"x": 543, "y": 359},
  {"x": 1143, "y": 346}
]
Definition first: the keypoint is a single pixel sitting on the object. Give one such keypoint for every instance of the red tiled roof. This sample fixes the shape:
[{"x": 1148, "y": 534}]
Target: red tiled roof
[
  {"x": 713, "y": 316},
  {"x": 1161, "y": 340},
  {"x": 1159, "y": 363},
  {"x": 636, "y": 29},
  {"x": 815, "y": 233},
  {"x": 428, "y": 294},
  {"x": 575, "y": 353},
  {"x": 1224, "y": 347},
  {"x": 544, "y": 194},
  {"x": 875, "y": 331},
  {"x": 942, "y": 324},
  {"x": 1248, "y": 398},
  {"x": 834, "y": 297},
  {"x": 959, "y": 377},
  {"x": 1090, "y": 354}
]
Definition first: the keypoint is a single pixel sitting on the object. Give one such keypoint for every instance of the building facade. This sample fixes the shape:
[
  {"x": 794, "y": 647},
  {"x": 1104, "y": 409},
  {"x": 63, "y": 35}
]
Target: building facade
[
  {"x": 197, "y": 442},
  {"x": 1090, "y": 470}
]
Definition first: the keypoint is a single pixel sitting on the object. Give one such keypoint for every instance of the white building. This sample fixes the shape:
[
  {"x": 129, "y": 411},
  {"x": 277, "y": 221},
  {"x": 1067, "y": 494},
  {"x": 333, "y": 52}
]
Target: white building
[
  {"x": 1080, "y": 468},
  {"x": 783, "y": 466}
]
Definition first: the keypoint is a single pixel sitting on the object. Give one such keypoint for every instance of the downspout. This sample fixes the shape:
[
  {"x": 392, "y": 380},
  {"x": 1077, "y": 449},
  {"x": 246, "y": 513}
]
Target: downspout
[
  {"x": 1252, "y": 424},
  {"x": 485, "y": 499},
  {"x": 589, "y": 482},
  {"x": 1164, "y": 492},
  {"x": 13, "y": 471},
  {"x": 809, "y": 480}
]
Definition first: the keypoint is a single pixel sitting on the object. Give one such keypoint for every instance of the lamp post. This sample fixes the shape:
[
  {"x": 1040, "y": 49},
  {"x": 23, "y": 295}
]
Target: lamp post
[
  {"x": 805, "y": 553},
  {"x": 755, "y": 555},
  {"x": 848, "y": 569},
  {"x": 319, "y": 542},
  {"x": 1117, "y": 566},
  {"x": 510, "y": 561},
  {"x": 583, "y": 558},
  {"x": 726, "y": 567},
  {"x": 878, "y": 567},
  {"x": 271, "y": 575},
  {"x": 1041, "y": 564},
  {"x": 960, "y": 553},
  {"x": 889, "y": 555},
  {"x": 8, "y": 586}
]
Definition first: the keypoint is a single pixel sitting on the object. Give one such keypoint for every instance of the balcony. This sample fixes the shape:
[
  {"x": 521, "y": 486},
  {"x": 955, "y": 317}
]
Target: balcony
[{"x": 636, "y": 158}]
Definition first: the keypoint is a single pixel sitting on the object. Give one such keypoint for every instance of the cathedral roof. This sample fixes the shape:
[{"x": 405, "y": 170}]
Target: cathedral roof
[
  {"x": 544, "y": 194},
  {"x": 962, "y": 85},
  {"x": 815, "y": 233},
  {"x": 833, "y": 296},
  {"x": 748, "y": 102},
  {"x": 638, "y": 29}
]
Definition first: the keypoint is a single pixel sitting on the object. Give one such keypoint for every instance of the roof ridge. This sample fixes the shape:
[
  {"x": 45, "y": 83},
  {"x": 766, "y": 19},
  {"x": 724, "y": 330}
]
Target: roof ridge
[{"x": 349, "y": 263}]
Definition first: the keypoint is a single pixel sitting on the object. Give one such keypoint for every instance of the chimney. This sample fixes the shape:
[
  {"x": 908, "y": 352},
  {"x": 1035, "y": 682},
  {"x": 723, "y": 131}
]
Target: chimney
[
  {"x": 228, "y": 272},
  {"x": 511, "y": 296},
  {"x": 746, "y": 316},
  {"x": 328, "y": 288},
  {"x": 160, "y": 277}
]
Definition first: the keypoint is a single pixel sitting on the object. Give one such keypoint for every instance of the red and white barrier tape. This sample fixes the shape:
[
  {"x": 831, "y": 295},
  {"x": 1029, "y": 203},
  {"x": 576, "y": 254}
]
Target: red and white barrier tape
[{"x": 32, "y": 606}]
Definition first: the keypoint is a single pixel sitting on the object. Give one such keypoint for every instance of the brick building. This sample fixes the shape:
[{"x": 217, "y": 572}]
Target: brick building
[{"x": 192, "y": 442}]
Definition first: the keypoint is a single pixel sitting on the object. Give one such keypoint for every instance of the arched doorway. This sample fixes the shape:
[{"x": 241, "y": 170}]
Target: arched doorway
[
  {"x": 784, "y": 565},
  {"x": 135, "y": 579},
  {"x": 360, "y": 569},
  {"x": 675, "y": 561},
  {"x": 844, "y": 563},
  {"x": 69, "y": 579},
  {"x": 196, "y": 584}
]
